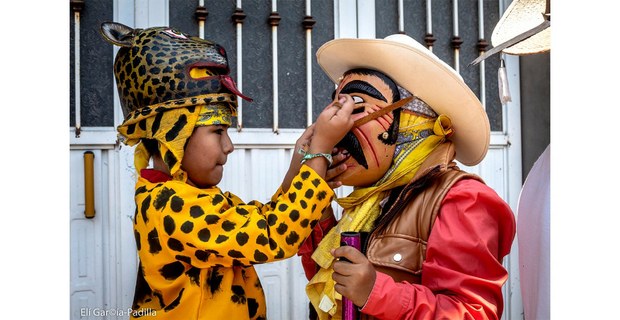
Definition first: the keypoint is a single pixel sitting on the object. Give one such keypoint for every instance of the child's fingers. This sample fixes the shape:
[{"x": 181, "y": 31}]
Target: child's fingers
[
  {"x": 339, "y": 156},
  {"x": 340, "y": 279},
  {"x": 347, "y": 105},
  {"x": 334, "y": 184},
  {"x": 350, "y": 253},
  {"x": 335, "y": 171}
]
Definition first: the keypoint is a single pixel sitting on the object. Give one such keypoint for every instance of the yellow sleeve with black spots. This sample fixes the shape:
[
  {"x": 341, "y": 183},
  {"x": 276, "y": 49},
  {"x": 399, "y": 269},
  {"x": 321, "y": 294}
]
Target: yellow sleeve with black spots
[{"x": 208, "y": 227}]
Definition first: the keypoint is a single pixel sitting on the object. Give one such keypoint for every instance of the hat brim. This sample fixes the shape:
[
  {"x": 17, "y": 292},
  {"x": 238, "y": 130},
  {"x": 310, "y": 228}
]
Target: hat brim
[
  {"x": 416, "y": 69},
  {"x": 519, "y": 17}
]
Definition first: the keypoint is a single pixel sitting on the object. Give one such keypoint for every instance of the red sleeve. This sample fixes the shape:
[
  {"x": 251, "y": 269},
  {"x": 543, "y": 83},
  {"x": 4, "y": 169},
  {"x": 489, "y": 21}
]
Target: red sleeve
[
  {"x": 462, "y": 275},
  {"x": 310, "y": 244}
]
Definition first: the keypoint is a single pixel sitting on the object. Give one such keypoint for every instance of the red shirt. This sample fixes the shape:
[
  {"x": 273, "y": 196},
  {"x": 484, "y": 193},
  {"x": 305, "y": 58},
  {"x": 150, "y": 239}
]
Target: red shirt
[{"x": 462, "y": 275}]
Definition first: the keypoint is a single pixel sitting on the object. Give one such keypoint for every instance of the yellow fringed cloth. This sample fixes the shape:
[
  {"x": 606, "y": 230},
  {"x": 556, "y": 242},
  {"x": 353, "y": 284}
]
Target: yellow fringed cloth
[
  {"x": 362, "y": 206},
  {"x": 171, "y": 123}
]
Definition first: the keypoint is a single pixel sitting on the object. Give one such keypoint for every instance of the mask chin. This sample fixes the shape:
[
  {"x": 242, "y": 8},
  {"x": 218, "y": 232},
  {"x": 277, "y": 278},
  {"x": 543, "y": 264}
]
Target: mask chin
[{"x": 358, "y": 176}]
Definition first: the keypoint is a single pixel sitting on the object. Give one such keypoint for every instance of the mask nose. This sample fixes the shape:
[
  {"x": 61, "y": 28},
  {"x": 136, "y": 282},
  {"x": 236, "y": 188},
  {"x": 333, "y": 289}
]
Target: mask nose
[{"x": 358, "y": 112}]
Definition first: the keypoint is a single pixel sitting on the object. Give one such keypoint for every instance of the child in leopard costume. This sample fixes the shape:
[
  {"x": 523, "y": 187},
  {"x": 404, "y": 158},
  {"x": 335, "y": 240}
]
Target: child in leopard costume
[{"x": 197, "y": 243}]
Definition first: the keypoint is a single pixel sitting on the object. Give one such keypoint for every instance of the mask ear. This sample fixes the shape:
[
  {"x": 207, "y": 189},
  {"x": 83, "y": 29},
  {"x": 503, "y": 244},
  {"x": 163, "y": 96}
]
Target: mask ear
[{"x": 117, "y": 34}]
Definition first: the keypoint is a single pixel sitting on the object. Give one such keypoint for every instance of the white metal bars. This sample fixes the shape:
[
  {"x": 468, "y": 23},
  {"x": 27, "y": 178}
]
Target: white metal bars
[
  {"x": 238, "y": 18},
  {"x": 429, "y": 39},
  {"x": 401, "y": 17},
  {"x": 274, "y": 21},
  {"x": 481, "y": 47},
  {"x": 308, "y": 23},
  {"x": 201, "y": 18},
  {"x": 456, "y": 40},
  {"x": 77, "y": 7}
]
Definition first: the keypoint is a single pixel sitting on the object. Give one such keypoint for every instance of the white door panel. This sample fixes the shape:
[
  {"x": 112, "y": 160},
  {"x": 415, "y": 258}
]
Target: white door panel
[{"x": 86, "y": 240}]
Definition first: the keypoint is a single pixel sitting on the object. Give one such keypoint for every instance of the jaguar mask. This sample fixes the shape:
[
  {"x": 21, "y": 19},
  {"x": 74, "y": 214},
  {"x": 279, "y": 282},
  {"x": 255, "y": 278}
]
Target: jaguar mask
[{"x": 161, "y": 64}]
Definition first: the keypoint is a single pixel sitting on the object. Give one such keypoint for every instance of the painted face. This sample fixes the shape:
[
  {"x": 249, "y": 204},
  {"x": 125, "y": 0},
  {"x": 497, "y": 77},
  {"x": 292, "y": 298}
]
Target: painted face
[
  {"x": 372, "y": 144},
  {"x": 205, "y": 155}
]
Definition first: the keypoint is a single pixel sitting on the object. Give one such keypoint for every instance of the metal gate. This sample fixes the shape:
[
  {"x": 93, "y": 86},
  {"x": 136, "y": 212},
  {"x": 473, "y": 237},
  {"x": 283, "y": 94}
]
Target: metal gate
[{"x": 271, "y": 47}]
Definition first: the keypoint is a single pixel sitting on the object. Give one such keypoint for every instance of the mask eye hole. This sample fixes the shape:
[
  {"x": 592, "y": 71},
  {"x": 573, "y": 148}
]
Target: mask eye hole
[
  {"x": 175, "y": 34},
  {"x": 357, "y": 99},
  {"x": 358, "y": 109}
]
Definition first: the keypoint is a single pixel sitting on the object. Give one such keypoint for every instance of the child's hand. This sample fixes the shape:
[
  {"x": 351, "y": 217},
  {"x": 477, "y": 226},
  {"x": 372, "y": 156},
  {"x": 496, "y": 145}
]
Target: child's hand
[
  {"x": 302, "y": 143},
  {"x": 332, "y": 124},
  {"x": 354, "y": 279},
  {"x": 337, "y": 168}
]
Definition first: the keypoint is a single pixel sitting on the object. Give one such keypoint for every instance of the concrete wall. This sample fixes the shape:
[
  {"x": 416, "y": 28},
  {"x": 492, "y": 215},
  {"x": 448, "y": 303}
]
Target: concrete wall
[{"x": 535, "y": 110}]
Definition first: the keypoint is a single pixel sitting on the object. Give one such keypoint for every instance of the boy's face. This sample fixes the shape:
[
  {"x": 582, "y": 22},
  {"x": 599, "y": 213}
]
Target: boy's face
[
  {"x": 371, "y": 156},
  {"x": 205, "y": 155}
]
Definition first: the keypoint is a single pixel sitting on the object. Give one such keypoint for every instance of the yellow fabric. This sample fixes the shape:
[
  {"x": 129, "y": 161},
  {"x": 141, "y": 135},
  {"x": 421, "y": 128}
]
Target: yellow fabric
[
  {"x": 197, "y": 246},
  {"x": 216, "y": 113},
  {"x": 171, "y": 123},
  {"x": 362, "y": 206}
]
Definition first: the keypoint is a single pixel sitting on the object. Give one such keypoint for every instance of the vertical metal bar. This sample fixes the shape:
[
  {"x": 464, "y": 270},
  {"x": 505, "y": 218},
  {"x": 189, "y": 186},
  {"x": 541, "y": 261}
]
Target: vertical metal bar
[
  {"x": 456, "y": 40},
  {"x": 238, "y": 18},
  {"x": 429, "y": 17},
  {"x": 481, "y": 48},
  {"x": 337, "y": 19},
  {"x": 428, "y": 38},
  {"x": 76, "y": 45},
  {"x": 401, "y": 17},
  {"x": 502, "y": 56},
  {"x": 201, "y": 22},
  {"x": 308, "y": 23},
  {"x": 274, "y": 20}
]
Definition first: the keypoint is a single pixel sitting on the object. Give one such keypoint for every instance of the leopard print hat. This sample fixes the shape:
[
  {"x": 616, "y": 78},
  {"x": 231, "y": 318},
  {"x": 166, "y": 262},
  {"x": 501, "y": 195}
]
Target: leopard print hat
[{"x": 167, "y": 80}]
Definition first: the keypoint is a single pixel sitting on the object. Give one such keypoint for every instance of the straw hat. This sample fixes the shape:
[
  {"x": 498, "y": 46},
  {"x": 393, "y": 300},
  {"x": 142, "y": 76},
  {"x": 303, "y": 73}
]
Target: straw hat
[
  {"x": 415, "y": 68},
  {"x": 519, "y": 17}
]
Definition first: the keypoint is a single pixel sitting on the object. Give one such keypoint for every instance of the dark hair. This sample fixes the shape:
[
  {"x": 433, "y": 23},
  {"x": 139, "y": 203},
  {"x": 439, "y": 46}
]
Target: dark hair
[{"x": 380, "y": 75}]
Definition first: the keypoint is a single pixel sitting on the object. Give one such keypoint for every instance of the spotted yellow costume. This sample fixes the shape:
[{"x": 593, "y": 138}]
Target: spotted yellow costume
[{"x": 197, "y": 247}]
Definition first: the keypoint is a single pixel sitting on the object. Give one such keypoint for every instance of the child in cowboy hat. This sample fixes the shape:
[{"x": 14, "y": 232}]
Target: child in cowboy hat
[
  {"x": 433, "y": 236},
  {"x": 197, "y": 243}
]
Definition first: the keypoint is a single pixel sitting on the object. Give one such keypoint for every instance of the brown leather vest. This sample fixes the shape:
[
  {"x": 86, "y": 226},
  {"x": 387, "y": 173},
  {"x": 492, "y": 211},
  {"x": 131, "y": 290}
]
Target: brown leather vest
[{"x": 400, "y": 248}]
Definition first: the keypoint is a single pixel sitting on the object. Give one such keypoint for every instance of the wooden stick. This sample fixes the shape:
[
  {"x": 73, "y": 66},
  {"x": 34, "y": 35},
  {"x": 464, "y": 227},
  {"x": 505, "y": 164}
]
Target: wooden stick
[{"x": 381, "y": 112}]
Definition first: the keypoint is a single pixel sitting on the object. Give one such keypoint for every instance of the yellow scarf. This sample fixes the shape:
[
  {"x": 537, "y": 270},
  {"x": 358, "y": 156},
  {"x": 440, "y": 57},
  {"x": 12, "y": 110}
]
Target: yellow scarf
[{"x": 362, "y": 206}]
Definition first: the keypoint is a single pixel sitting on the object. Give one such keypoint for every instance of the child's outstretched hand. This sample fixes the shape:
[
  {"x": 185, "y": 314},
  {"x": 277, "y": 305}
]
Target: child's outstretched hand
[{"x": 332, "y": 124}]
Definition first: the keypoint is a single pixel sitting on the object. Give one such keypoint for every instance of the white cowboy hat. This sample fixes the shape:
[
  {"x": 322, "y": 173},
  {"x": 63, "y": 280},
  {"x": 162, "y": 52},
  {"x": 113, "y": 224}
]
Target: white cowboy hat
[
  {"x": 519, "y": 17},
  {"x": 415, "y": 68},
  {"x": 524, "y": 28}
]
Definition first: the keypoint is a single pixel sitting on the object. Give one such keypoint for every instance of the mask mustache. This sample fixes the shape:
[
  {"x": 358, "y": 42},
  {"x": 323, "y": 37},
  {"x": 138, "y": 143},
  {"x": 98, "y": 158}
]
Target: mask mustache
[{"x": 351, "y": 144}]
